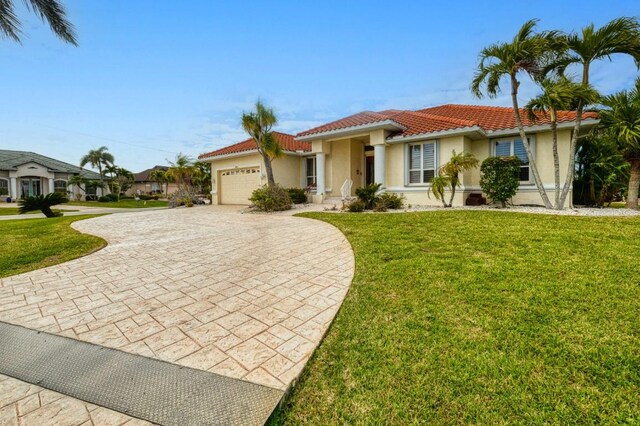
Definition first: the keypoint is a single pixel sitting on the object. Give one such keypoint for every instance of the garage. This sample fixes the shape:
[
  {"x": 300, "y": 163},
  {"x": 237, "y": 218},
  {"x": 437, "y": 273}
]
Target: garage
[{"x": 236, "y": 185}]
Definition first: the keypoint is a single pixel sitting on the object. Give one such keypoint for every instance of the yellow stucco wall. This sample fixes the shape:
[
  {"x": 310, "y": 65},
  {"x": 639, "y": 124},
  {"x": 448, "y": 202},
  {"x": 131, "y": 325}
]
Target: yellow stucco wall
[{"x": 286, "y": 170}]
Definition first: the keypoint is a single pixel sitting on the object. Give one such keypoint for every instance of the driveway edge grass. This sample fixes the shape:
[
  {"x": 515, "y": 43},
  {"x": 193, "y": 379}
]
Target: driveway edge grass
[{"x": 40, "y": 243}]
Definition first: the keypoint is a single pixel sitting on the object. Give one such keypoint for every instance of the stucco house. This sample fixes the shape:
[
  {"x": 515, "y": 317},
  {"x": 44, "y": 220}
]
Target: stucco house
[
  {"x": 142, "y": 183},
  {"x": 27, "y": 173},
  {"x": 400, "y": 149}
]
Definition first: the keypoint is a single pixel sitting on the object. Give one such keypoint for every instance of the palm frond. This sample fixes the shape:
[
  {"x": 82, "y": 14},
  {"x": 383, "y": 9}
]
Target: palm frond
[
  {"x": 52, "y": 12},
  {"x": 9, "y": 22}
]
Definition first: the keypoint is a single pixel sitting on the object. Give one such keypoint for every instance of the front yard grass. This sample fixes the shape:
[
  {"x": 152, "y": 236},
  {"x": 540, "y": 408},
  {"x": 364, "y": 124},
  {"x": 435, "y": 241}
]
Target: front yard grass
[
  {"x": 125, "y": 204},
  {"x": 10, "y": 211},
  {"x": 480, "y": 318},
  {"x": 37, "y": 243}
]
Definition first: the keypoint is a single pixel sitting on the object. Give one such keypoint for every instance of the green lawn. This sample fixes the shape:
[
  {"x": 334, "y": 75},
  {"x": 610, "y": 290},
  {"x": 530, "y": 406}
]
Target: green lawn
[
  {"x": 126, "y": 204},
  {"x": 480, "y": 318},
  {"x": 10, "y": 211},
  {"x": 37, "y": 243}
]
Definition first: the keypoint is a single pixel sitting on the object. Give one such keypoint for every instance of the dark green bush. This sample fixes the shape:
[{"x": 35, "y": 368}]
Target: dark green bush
[
  {"x": 356, "y": 206},
  {"x": 389, "y": 200},
  {"x": 367, "y": 194},
  {"x": 500, "y": 178},
  {"x": 297, "y": 195},
  {"x": 42, "y": 203},
  {"x": 108, "y": 198},
  {"x": 271, "y": 198}
]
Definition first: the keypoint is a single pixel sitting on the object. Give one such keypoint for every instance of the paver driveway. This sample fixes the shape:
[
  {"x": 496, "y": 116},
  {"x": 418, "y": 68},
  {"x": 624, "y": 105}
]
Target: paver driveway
[{"x": 246, "y": 296}]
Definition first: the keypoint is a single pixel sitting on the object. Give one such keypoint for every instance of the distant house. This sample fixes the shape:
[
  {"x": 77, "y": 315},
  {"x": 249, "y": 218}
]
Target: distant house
[
  {"x": 142, "y": 183},
  {"x": 25, "y": 173}
]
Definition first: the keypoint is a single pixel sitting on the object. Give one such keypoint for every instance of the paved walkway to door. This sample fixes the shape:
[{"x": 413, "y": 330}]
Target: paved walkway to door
[{"x": 242, "y": 295}]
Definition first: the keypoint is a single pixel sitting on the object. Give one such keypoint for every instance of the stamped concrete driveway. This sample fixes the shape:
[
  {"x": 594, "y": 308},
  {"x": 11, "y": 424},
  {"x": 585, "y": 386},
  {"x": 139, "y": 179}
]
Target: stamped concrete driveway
[{"x": 242, "y": 295}]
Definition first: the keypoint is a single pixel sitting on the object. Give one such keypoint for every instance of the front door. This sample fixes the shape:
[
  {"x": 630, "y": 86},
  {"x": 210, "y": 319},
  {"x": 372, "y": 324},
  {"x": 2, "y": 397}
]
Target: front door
[
  {"x": 368, "y": 170},
  {"x": 30, "y": 187}
]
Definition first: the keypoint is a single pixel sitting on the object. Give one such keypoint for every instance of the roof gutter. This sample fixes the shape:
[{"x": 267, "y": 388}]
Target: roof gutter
[
  {"x": 452, "y": 132},
  {"x": 249, "y": 152}
]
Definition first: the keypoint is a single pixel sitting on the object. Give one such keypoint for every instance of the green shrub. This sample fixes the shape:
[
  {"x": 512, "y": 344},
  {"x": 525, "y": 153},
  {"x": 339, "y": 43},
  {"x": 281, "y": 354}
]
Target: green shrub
[
  {"x": 297, "y": 195},
  {"x": 42, "y": 203},
  {"x": 4, "y": 191},
  {"x": 500, "y": 178},
  {"x": 108, "y": 198},
  {"x": 271, "y": 198},
  {"x": 389, "y": 200},
  {"x": 356, "y": 206},
  {"x": 367, "y": 194}
]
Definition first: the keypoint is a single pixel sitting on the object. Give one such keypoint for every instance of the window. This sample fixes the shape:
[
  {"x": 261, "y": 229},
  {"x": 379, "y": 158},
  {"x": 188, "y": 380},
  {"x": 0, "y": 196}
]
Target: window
[
  {"x": 422, "y": 162},
  {"x": 60, "y": 186},
  {"x": 515, "y": 148},
  {"x": 311, "y": 171},
  {"x": 4, "y": 187}
]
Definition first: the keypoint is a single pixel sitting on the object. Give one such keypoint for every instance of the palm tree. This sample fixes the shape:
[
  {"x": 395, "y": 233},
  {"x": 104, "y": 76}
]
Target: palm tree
[
  {"x": 258, "y": 125},
  {"x": 184, "y": 173},
  {"x": 161, "y": 177},
  {"x": 451, "y": 170},
  {"x": 42, "y": 203},
  {"x": 98, "y": 158},
  {"x": 50, "y": 11},
  {"x": 526, "y": 53},
  {"x": 619, "y": 36},
  {"x": 558, "y": 94},
  {"x": 622, "y": 119}
]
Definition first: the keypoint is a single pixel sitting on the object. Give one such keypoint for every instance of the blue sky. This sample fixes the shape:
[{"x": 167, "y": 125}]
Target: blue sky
[{"x": 152, "y": 78}]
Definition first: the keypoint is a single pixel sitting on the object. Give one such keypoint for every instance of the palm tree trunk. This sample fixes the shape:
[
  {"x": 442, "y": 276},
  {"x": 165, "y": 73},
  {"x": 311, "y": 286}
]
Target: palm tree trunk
[
  {"x": 269, "y": 169},
  {"x": 634, "y": 185},
  {"x": 101, "y": 179},
  {"x": 556, "y": 159},
  {"x": 571, "y": 169},
  {"x": 525, "y": 142}
]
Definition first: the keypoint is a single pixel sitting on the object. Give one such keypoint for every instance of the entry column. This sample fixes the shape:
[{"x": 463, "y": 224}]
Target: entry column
[
  {"x": 320, "y": 169},
  {"x": 378, "y": 164}
]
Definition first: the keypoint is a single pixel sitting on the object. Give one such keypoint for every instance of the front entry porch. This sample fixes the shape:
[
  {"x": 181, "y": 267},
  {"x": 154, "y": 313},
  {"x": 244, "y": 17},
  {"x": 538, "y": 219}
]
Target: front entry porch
[{"x": 357, "y": 160}]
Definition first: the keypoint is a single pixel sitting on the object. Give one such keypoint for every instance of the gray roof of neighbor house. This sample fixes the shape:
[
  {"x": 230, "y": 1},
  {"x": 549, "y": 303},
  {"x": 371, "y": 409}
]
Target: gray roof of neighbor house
[
  {"x": 10, "y": 160},
  {"x": 143, "y": 176}
]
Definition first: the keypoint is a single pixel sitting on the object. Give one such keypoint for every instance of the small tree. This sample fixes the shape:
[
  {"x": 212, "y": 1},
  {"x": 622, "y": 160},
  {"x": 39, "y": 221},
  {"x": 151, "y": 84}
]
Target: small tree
[
  {"x": 451, "y": 170},
  {"x": 367, "y": 194},
  {"x": 438, "y": 185},
  {"x": 258, "y": 125},
  {"x": 500, "y": 178},
  {"x": 99, "y": 158},
  {"x": 42, "y": 203}
]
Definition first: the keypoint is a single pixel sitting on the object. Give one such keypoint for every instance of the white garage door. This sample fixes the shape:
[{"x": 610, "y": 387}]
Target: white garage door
[{"x": 236, "y": 185}]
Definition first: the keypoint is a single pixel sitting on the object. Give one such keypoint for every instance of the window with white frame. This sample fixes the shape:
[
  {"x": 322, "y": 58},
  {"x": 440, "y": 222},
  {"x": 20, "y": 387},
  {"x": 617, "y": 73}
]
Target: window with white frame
[
  {"x": 422, "y": 162},
  {"x": 60, "y": 185},
  {"x": 311, "y": 171},
  {"x": 515, "y": 148},
  {"x": 4, "y": 187}
]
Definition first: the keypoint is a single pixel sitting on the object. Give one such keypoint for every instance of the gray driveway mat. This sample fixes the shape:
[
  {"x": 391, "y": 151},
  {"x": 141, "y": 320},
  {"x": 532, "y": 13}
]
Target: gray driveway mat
[{"x": 156, "y": 391}]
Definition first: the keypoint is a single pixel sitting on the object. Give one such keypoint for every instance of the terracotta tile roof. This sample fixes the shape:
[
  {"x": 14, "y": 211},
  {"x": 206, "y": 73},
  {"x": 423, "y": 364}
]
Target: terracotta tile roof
[
  {"x": 442, "y": 118},
  {"x": 496, "y": 118},
  {"x": 287, "y": 142},
  {"x": 365, "y": 117}
]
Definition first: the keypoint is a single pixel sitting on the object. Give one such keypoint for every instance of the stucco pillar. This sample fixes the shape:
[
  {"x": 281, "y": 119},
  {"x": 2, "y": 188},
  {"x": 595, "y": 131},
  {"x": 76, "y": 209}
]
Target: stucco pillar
[
  {"x": 320, "y": 174},
  {"x": 378, "y": 164},
  {"x": 51, "y": 186},
  {"x": 13, "y": 189}
]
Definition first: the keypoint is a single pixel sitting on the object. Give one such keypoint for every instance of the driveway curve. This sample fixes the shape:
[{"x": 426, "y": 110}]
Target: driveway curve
[{"x": 242, "y": 295}]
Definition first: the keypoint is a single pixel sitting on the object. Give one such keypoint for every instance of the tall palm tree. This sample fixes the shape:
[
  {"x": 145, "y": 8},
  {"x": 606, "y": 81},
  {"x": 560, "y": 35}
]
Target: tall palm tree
[
  {"x": 98, "y": 158},
  {"x": 161, "y": 177},
  {"x": 50, "y": 11},
  {"x": 558, "y": 94},
  {"x": 619, "y": 36},
  {"x": 258, "y": 125},
  {"x": 526, "y": 53},
  {"x": 622, "y": 119}
]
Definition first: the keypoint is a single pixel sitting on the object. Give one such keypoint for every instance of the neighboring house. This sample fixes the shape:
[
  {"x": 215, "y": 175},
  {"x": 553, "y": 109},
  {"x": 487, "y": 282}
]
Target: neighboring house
[
  {"x": 402, "y": 150},
  {"x": 143, "y": 185},
  {"x": 25, "y": 173},
  {"x": 238, "y": 169}
]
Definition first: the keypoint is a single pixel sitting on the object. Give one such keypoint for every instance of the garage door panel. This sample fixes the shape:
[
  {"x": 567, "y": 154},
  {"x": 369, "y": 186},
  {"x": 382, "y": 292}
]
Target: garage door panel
[{"x": 237, "y": 185}]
